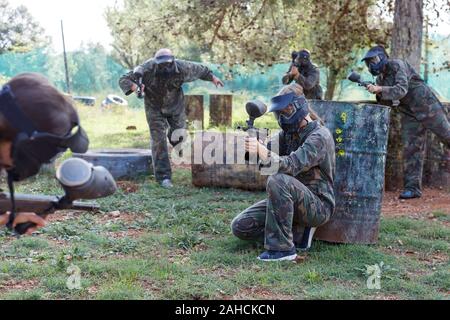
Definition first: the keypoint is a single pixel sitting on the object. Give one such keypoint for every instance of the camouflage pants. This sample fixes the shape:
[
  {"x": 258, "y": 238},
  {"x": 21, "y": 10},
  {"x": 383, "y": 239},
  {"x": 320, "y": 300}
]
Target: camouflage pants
[
  {"x": 414, "y": 138},
  {"x": 158, "y": 124},
  {"x": 280, "y": 219}
]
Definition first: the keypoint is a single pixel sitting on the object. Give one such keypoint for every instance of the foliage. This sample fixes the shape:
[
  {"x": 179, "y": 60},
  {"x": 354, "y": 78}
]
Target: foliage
[
  {"x": 91, "y": 68},
  {"x": 256, "y": 33},
  {"x": 139, "y": 29},
  {"x": 19, "y": 32}
]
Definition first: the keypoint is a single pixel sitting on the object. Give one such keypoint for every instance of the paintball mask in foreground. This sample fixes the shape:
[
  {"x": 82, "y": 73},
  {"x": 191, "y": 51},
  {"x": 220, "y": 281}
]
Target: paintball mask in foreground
[{"x": 31, "y": 148}]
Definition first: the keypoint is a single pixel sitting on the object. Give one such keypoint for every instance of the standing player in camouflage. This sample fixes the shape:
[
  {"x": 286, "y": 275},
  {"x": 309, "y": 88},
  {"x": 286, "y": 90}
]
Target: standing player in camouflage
[
  {"x": 398, "y": 84},
  {"x": 306, "y": 74},
  {"x": 300, "y": 195},
  {"x": 163, "y": 77}
]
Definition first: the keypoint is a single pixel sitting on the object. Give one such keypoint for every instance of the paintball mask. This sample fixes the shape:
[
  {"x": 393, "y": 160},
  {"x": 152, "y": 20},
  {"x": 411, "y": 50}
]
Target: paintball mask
[
  {"x": 289, "y": 110},
  {"x": 302, "y": 59},
  {"x": 375, "y": 59},
  {"x": 165, "y": 65},
  {"x": 31, "y": 148}
]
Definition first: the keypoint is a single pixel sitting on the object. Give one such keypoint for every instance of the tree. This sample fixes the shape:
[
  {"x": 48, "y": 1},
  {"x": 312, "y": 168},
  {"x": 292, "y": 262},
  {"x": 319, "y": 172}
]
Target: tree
[
  {"x": 141, "y": 27},
  {"x": 19, "y": 32},
  {"x": 339, "y": 30},
  {"x": 407, "y": 45},
  {"x": 407, "y": 38},
  {"x": 252, "y": 33}
]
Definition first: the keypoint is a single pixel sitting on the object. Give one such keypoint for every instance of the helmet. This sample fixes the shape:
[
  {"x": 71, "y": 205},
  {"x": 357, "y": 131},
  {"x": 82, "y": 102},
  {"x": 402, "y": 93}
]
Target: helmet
[
  {"x": 375, "y": 59},
  {"x": 289, "y": 109}
]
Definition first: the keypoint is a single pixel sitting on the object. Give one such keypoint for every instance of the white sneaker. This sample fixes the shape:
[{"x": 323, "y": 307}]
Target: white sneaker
[{"x": 167, "y": 184}]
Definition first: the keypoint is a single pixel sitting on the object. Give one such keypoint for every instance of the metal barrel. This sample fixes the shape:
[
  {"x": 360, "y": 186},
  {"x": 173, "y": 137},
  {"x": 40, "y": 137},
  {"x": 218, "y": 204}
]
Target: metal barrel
[{"x": 360, "y": 131}]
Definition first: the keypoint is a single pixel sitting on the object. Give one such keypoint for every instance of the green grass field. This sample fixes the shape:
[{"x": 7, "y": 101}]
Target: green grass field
[{"x": 177, "y": 244}]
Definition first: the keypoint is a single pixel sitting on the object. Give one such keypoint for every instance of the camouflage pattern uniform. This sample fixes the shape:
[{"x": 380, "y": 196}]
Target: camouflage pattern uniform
[
  {"x": 420, "y": 109},
  {"x": 165, "y": 106},
  {"x": 309, "y": 79},
  {"x": 300, "y": 194}
]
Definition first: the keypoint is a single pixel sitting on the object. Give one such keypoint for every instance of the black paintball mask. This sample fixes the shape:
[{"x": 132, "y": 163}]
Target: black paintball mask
[
  {"x": 376, "y": 59},
  {"x": 32, "y": 148},
  {"x": 165, "y": 66},
  {"x": 302, "y": 59}
]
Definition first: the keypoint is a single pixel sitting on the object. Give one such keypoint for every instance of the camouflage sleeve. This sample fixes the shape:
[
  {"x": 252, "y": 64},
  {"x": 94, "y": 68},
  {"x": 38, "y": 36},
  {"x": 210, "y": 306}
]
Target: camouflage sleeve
[
  {"x": 309, "y": 155},
  {"x": 310, "y": 81},
  {"x": 194, "y": 71},
  {"x": 400, "y": 87},
  {"x": 126, "y": 82}
]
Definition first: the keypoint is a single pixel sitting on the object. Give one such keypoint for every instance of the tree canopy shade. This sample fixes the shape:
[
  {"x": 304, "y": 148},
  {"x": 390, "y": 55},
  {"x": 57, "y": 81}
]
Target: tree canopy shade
[
  {"x": 246, "y": 33},
  {"x": 19, "y": 31}
]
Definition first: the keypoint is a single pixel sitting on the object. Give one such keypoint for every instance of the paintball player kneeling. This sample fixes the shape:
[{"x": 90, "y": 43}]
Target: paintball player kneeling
[
  {"x": 36, "y": 124},
  {"x": 300, "y": 195}
]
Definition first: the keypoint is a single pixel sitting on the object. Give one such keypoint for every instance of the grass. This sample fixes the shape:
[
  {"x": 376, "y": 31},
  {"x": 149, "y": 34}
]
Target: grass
[{"x": 177, "y": 245}]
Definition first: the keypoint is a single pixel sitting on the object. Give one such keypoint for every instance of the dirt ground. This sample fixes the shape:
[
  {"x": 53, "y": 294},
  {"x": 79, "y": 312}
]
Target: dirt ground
[{"x": 432, "y": 200}]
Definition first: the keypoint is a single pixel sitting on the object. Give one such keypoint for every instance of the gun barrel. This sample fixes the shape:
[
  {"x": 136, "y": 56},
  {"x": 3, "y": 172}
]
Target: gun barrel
[{"x": 41, "y": 204}]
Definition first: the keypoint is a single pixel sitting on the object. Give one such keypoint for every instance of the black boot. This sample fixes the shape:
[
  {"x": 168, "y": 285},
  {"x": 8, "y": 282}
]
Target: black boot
[
  {"x": 308, "y": 234},
  {"x": 410, "y": 194}
]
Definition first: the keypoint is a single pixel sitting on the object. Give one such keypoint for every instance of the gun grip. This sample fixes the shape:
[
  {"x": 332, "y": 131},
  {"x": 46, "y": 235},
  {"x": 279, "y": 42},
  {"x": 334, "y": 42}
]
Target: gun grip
[{"x": 22, "y": 228}]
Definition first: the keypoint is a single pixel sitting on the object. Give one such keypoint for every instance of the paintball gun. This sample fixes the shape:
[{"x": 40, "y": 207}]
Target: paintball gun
[
  {"x": 356, "y": 77},
  {"x": 78, "y": 178},
  {"x": 138, "y": 74},
  {"x": 255, "y": 109},
  {"x": 294, "y": 56}
]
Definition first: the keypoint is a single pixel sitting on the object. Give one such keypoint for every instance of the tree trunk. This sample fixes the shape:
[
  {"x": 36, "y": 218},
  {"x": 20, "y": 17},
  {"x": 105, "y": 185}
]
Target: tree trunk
[
  {"x": 436, "y": 167},
  {"x": 331, "y": 83},
  {"x": 408, "y": 31},
  {"x": 406, "y": 45}
]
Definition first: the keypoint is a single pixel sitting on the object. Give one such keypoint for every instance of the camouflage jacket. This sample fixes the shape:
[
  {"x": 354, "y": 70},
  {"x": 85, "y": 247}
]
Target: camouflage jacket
[
  {"x": 166, "y": 94},
  {"x": 402, "y": 85},
  {"x": 309, "y": 79},
  {"x": 309, "y": 156}
]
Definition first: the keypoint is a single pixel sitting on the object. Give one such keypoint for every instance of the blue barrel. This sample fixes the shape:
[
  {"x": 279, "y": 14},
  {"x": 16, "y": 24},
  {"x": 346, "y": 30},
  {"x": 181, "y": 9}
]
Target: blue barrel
[{"x": 360, "y": 131}]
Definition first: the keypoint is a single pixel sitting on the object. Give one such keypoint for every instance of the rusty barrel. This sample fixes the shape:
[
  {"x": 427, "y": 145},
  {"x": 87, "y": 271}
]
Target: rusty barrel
[
  {"x": 360, "y": 131},
  {"x": 218, "y": 160}
]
